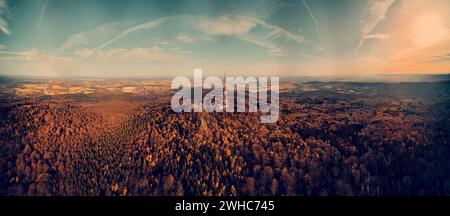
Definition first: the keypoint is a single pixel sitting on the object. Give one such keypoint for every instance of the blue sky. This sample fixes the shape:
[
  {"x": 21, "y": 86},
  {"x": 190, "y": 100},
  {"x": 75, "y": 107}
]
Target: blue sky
[{"x": 249, "y": 37}]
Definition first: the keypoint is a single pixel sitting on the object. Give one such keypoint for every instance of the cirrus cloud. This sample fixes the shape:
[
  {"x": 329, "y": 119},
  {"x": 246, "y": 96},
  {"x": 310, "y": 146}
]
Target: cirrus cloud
[
  {"x": 376, "y": 12},
  {"x": 3, "y": 24},
  {"x": 377, "y": 36}
]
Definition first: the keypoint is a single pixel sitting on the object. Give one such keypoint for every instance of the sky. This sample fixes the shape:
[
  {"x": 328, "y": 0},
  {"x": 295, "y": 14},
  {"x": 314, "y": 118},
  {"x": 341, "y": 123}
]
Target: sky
[{"x": 143, "y": 38}]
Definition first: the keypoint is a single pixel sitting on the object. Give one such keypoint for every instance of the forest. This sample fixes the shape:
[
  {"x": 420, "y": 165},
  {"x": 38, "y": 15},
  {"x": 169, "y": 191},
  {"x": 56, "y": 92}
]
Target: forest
[{"x": 324, "y": 144}]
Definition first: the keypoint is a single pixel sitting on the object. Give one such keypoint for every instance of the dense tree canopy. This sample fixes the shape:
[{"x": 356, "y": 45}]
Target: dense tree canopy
[{"x": 319, "y": 146}]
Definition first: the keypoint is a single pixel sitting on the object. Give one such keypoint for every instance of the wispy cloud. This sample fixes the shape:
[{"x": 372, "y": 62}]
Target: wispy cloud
[
  {"x": 41, "y": 15},
  {"x": 96, "y": 36},
  {"x": 133, "y": 55},
  {"x": 243, "y": 24},
  {"x": 227, "y": 26},
  {"x": 377, "y": 36},
  {"x": 278, "y": 32},
  {"x": 316, "y": 25},
  {"x": 186, "y": 39},
  {"x": 444, "y": 57},
  {"x": 376, "y": 12},
  {"x": 161, "y": 51},
  {"x": 3, "y": 24},
  {"x": 35, "y": 62},
  {"x": 272, "y": 49},
  {"x": 239, "y": 27},
  {"x": 110, "y": 62},
  {"x": 27, "y": 55},
  {"x": 146, "y": 25}
]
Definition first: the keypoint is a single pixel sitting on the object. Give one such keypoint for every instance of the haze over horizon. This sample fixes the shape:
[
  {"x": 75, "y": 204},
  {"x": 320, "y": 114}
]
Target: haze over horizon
[{"x": 252, "y": 37}]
